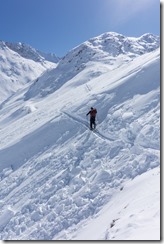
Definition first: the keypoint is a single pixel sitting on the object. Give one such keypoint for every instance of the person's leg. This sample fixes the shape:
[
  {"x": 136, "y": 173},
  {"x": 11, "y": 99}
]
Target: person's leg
[
  {"x": 94, "y": 123},
  {"x": 91, "y": 123}
]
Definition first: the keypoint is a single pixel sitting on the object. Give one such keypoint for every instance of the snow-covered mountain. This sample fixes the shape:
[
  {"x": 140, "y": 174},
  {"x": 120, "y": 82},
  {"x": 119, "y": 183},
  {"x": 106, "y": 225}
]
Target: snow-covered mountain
[
  {"x": 29, "y": 52},
  {"x": 107, "y": 51},
  {"x": 20, "y": 64},
  {"x": 61, "y": 181}
]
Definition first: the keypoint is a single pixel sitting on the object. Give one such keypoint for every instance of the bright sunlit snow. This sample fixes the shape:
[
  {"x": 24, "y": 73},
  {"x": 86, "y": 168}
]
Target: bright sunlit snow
[
  {"x": 61, "y": 181},
  {"x": 19, "y": 65}
]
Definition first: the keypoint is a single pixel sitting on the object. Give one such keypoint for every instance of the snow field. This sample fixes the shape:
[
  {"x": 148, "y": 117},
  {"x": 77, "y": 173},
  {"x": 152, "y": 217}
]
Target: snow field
[{"x": 61, "y": 181}]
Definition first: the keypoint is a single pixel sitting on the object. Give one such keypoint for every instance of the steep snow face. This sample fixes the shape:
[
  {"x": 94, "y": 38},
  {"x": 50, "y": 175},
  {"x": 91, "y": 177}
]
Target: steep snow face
[
  {"x": 19, "y": 64},
  {"x": 110, "y": 49},
  {"x": 61, "y": 181}
]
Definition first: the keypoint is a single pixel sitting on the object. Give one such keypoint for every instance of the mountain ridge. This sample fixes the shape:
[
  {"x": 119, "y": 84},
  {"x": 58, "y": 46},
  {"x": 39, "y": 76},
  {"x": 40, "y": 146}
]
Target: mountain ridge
[
  {"x": 28, "y": 52},
  {"x": 111, "y": 48},
  {"x": 106, "y": 48},
  {"x": 20, "y": 64},
  {"x": 61, "y": 181}
]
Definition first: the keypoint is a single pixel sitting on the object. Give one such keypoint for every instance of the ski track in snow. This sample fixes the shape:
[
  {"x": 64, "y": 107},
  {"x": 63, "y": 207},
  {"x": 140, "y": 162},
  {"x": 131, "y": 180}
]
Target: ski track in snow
[
  {"x": 96, "y": 132},
  {"x": 61, "y": 181}
]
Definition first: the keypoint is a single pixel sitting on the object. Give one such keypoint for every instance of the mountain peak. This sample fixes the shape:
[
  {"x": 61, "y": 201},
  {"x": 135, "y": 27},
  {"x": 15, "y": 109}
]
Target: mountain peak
[
  {"x": 150, "y": 38},
  {"x": 110, "y": 50},
  {"x": 61, "y": 181},
  {"x": 113, "y": 44},
  {"x": 116, "y": 44}
]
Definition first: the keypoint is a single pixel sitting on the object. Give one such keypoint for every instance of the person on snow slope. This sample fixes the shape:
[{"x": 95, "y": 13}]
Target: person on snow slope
[{"x": 92, "y": 113}]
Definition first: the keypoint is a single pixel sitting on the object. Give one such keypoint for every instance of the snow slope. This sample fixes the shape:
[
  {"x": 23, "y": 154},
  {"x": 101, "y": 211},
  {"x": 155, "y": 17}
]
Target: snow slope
[
  {"x": 61, "y": 181},
  {"x": 93, "y": 57},
  {"x": 129, "y": 215},
  {"x": 20, "y": 64}
]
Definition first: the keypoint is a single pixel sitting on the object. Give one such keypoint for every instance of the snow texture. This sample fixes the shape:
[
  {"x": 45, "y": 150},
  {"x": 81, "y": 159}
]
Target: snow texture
[
  {"x": 61, "y": 181},
  {"x": 21, "y": 64}
]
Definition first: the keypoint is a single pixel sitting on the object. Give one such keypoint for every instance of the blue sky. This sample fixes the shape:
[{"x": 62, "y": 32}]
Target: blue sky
[{"x": 57, "y": 26}]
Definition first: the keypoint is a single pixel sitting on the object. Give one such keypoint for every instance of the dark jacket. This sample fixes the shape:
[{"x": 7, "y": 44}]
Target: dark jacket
[{"x": 92, "y": 113}]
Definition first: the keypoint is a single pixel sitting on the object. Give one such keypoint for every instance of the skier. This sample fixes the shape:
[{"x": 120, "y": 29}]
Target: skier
[{"x": 92, "y": 113}]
